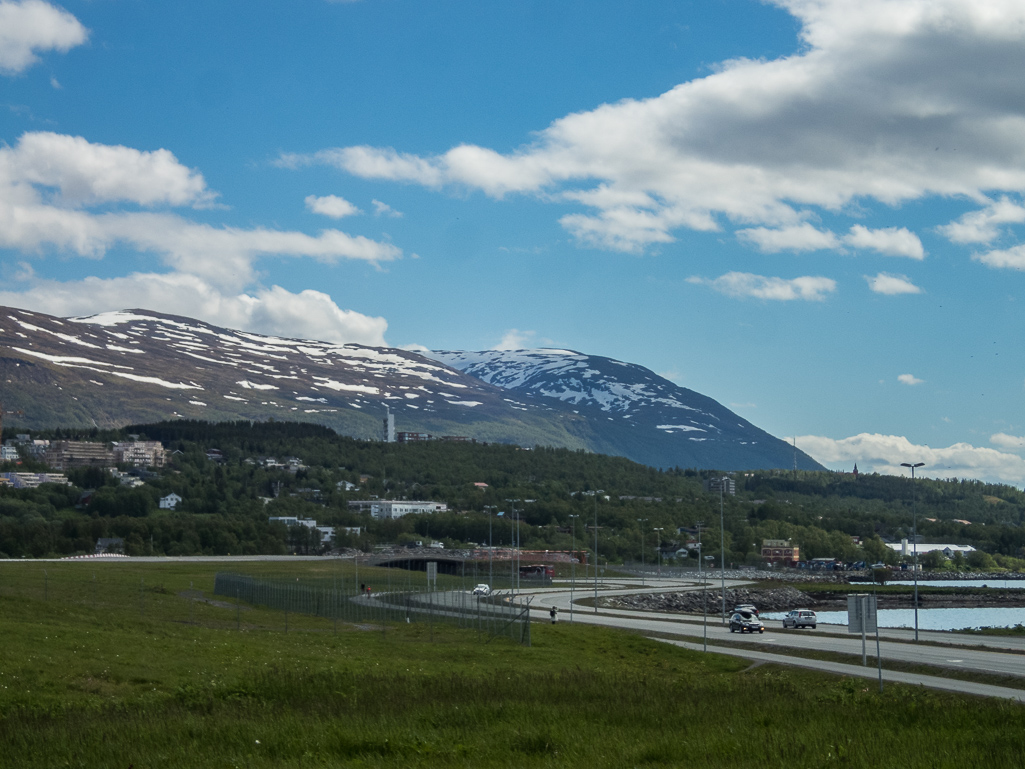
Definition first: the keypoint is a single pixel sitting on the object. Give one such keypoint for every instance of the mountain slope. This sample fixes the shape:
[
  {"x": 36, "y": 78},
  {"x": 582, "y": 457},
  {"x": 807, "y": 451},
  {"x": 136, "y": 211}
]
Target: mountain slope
[
  {"x": 642, "y": 415},
  {"x": 138, "y": 366}
]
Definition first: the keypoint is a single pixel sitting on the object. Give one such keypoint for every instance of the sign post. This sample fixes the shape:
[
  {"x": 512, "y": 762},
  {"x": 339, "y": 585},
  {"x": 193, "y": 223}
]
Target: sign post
[{"x": 862, "y": 618}]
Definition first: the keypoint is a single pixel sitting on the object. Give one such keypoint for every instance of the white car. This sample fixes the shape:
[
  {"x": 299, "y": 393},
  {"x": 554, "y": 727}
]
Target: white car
[
  {"x": 800, "y": 618},
  {"x": 482, "y": 589}
]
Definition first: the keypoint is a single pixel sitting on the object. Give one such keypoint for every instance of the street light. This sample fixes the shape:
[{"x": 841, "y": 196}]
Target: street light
[
  {"x": 491, "y": 549},
  {"x": 572, "y": 562},
  {"x": 642, "y": 521},
  {"x": 722, "y": 544},
  {"x": 658, "y": 550},
  {"x": 914, "y": 533},
  {"x": 704, "y": 601},
  {"x": 595, "y": 494}
]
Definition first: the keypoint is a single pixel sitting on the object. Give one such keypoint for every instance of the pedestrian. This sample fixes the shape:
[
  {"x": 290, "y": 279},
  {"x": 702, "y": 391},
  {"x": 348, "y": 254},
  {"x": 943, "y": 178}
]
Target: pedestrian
[{"x": 552, "y": 613}]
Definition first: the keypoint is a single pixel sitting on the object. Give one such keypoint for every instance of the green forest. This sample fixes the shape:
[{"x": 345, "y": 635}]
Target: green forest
[{"x": 556, "y": 495}]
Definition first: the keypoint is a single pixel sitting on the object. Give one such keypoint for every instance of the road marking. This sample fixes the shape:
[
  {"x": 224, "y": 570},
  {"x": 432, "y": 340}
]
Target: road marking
[{"x": 955, "y": 660}]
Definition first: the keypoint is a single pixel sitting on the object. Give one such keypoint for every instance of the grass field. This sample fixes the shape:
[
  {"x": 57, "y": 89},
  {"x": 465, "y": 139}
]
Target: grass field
[{"x": 150, "y": 678}]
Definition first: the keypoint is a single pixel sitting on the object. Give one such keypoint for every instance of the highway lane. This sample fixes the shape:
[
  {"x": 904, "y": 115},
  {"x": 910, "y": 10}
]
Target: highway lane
[{"x": 997, "y": 658}]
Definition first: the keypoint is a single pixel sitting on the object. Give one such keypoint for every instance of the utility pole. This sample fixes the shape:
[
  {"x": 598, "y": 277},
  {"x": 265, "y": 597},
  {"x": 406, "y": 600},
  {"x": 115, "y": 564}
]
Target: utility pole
[{"x": 572, "y": 562}]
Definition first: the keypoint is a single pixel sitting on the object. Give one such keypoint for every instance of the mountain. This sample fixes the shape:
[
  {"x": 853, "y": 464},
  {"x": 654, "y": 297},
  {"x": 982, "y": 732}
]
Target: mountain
[
  {"x": 138, "y": 366},
  {"x": 636, "y": 413}
]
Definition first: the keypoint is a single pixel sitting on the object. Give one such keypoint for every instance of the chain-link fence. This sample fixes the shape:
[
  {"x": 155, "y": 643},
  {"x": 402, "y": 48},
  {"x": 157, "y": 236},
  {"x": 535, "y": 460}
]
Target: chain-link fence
[
  {"x": 490, "y": 616},
  {"x": 112, "y": 592}
]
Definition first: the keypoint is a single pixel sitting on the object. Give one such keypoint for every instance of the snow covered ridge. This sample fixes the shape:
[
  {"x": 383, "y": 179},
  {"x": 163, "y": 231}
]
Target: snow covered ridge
[
  {"x": 586, "y": 380},
  {"x": 177, "y": 353}
]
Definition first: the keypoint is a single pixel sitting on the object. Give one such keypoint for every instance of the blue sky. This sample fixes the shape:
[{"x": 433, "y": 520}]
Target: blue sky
[{"x": 809, "y": 210}]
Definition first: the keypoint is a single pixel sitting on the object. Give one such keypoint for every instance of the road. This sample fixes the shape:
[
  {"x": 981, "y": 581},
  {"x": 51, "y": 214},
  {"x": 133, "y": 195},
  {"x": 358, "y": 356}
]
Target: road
[{"x": 994, "y": 655}]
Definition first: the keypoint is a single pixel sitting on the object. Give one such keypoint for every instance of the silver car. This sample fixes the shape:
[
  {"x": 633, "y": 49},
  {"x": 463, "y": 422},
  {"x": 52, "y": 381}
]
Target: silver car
[{"x": 800, "y": 618}]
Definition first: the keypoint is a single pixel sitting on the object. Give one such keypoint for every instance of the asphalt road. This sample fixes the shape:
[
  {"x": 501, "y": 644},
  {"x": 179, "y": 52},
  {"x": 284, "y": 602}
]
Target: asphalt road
[{"x": 995, "y": 655}]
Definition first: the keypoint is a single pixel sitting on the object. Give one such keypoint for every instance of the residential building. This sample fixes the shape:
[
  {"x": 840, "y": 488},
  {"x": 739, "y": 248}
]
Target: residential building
[
  {"x": 32, "y": 480},
  {"x": 63, "y": 455},
  {"x": 140, "y": 453},
  {"x": 780, "y": 551},
  {"x": 727, "y": 484},
  {"x": 9, "y": 454},
  {"x": 384, "y": 508},
  {"x": 170, "y": 502}
]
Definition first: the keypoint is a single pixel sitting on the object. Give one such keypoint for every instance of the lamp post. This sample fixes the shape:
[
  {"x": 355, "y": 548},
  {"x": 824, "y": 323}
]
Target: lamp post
[
  {"x": 704, "y": 602},
  {"x": 658, "y": 549},
  {"x": 572, "y": 562},
  {"x": 914, "y": 533},
  {"x": 642, "y": 521},
  {"x": 722, "y": 545},
  {"x": 491, "y": 549},
  {"x": 596, "y": 493}
]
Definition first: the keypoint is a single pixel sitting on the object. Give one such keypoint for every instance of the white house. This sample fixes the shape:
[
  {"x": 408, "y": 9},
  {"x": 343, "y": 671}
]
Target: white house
[{"x": 170, "y": 502}]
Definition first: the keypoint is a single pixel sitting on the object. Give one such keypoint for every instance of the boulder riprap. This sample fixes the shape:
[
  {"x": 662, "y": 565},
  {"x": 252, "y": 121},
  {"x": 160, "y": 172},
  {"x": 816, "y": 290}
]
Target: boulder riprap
[{"x": 773, "y": 599}]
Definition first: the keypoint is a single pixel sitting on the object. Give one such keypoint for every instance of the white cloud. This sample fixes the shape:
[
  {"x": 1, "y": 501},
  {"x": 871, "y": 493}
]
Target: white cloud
[
  {"x": 83, "y": 173},
  {"x": 274, "y": 311},
  {"x": 886, "y": 100},
  {"x": 982, "y": 226},
  {"x": 383, "y": 209},
  {"x": 885, "y": 453},
  {"x": 891, "y": 241},
  {"x": 32, "y": 26},
  {"x": 1005, "y": 441},
  {"x": 910, "y": 380},
  {"x": 892, "y": 285},
  {"x": 47, "y": 181},
  {"x": 1011, "y": 258},
  {"x": 744, "y": 284},
  {"x": 514, "y": 339},
  {"x": 331, "y": 205},
  {"x": 801, "y": 237}
]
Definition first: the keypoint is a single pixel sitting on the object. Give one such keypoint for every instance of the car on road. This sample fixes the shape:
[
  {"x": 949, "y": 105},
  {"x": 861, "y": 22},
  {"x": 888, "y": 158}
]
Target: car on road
[
  {"x": 746, "y": 621},
  {"x": 800, "y": 618},
  {"x": 482, "y": 589}
]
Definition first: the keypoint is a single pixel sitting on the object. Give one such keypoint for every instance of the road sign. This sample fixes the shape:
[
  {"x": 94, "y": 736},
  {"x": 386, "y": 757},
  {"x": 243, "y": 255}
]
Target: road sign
[{"x": 861, "y": 613}]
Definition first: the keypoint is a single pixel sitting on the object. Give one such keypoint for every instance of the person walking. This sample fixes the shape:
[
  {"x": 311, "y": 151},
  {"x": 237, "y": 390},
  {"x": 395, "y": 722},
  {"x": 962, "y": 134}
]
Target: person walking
[{"x": 553, "y": 612}]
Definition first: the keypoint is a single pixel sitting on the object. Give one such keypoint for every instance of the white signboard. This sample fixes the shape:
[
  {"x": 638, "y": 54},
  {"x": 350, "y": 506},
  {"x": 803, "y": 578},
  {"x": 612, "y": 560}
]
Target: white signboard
[
  {"x": 432, "y": 572},
  {"x": 861, "y": 613}
]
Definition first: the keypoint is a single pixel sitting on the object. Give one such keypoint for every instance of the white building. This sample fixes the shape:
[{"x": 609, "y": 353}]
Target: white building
[
  {"x": 170, "y": 502},
  {"x": 383, "y": 508},
  {"x": 907, "y": 549}
]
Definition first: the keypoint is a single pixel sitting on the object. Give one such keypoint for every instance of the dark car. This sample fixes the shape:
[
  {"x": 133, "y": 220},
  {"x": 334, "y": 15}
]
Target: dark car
[{"x": 746, "y": 621}]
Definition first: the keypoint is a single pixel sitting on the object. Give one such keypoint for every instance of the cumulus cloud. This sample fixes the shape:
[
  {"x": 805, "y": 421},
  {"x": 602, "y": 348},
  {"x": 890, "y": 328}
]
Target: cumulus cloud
[
  {"x": 331, "y": 205},
  {"x": 886, "y": 101},
  {"x": 892, "y": 285},
  {"x": 32, "y": 26},
  {"x": 1009, "y": 258},
  {"x": 48, "y": 182},
  {"x": 885, "y": 453},
  {"x": 273, "y": 311},
  {"x": 891, "y": 241},
  {"x": 383, "y": 209},
  {"x": 1005, "y": 441},
  {"x": 909, "y": 379},
  {"x": 802, "y": 237},
  {"x": 982, "y": 226},
  {"x": 744, "y": 284}
]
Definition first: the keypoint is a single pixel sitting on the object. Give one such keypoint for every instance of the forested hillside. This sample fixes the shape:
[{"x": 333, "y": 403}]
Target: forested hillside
[{"x": 227, "y": 501}]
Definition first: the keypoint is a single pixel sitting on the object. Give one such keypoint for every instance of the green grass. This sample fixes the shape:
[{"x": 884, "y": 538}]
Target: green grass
[{"x": 92, "y": 683}]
